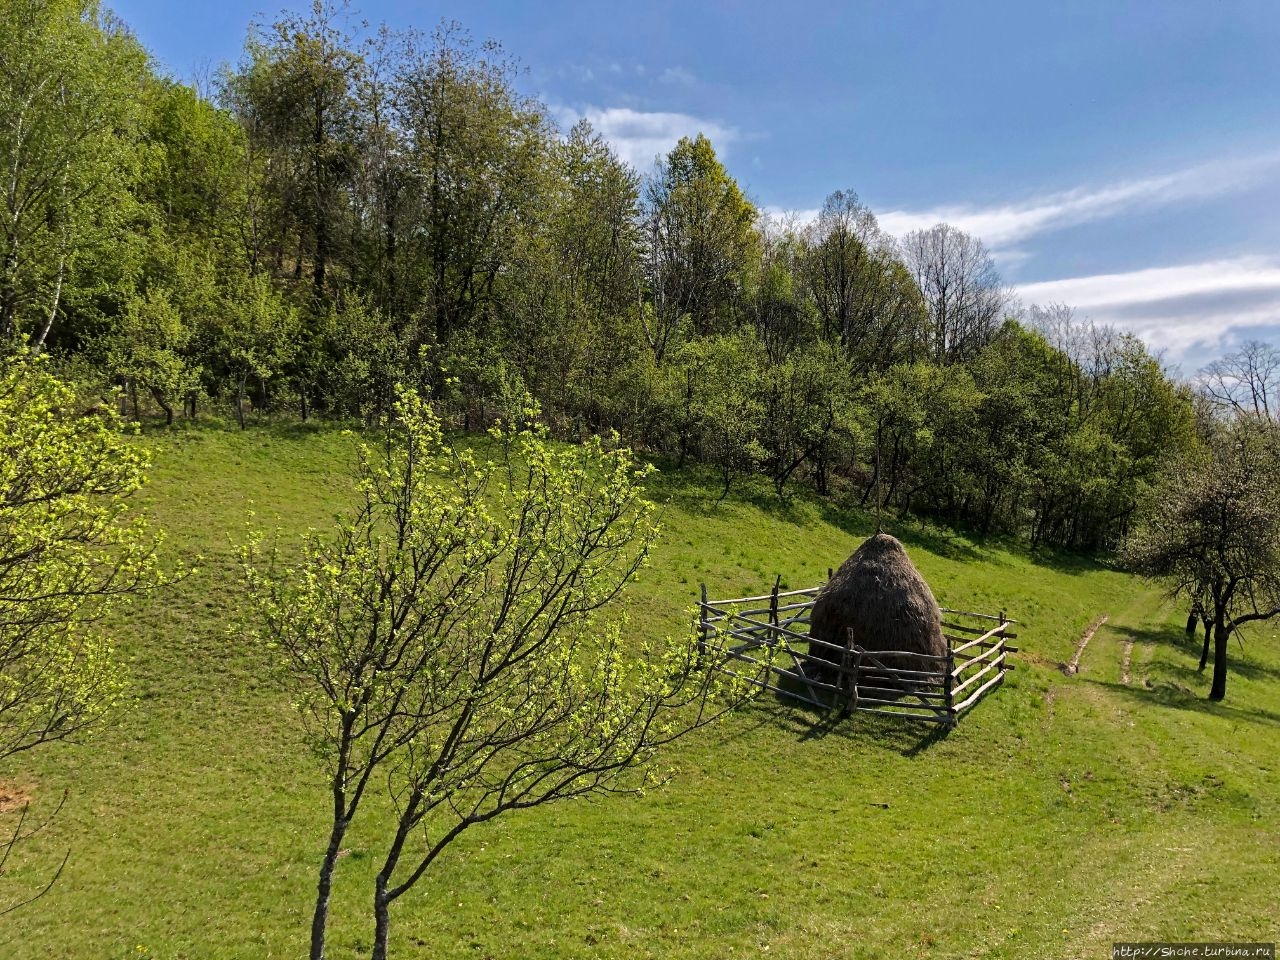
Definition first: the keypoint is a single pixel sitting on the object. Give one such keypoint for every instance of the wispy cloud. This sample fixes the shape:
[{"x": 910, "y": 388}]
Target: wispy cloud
[
  {"x": 1192, "y": 311},
  {"x": 639, "y": 136},
  {"x": 678, "y": 76},
  {"x": 1002, "y": 226}
]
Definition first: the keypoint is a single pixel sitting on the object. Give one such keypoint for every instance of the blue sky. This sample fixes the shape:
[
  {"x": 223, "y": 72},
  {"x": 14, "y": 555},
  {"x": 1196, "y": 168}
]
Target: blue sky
[{"x": 1123, "y": 158}]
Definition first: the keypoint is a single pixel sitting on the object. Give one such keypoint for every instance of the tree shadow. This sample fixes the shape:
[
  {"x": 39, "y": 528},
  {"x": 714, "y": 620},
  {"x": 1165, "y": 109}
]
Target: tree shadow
[
  {"x": 1069, "y": 562},
  {"x": 860, "y": 521},
  {"x": 1166, "y": 693},
  {"x": 1177, "y": 639}
]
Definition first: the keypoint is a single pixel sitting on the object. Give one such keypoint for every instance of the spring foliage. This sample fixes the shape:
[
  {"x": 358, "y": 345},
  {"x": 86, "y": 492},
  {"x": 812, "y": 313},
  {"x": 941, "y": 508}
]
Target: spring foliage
[
  {"x": 70, "y": 553},
  {"x": 347, "y": 210},
  {"x": 456, "y": 634}
]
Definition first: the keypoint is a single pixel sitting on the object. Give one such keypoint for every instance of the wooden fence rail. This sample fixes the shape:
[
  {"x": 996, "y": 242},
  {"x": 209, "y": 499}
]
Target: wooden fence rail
[{"x": 774, "y": 640}]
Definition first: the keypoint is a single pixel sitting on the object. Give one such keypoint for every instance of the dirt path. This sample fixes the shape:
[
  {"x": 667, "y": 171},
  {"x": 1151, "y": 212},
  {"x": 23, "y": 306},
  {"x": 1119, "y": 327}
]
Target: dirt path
[
  {"x": 1072, "y": 668},
  {"x": 1126, "y": 662}
]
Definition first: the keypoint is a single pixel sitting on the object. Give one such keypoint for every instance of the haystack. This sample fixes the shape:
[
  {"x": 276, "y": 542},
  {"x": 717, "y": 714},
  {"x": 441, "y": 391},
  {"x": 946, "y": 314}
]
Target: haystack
[{"x": 878, "y": 601}]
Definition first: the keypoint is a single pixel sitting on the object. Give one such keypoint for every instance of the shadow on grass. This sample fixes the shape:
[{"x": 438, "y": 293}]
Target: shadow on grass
[
  {"x": 905, "y": 737},
  {"x": 696, "y": 489},
  {"x": 1177, "y": 696},
  {"x": 1190, "y": 646}
]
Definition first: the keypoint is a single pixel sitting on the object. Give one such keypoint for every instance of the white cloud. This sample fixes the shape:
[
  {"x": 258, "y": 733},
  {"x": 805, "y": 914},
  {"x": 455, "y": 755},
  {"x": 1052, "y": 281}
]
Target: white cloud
[
  {"x": 677, "y": 75},
  {"x": 799, "y": 217},
  {"x": 1004, "y": 225},
  {"x": 1193, "y": 311},
  {"x": 639, "y": 136}
]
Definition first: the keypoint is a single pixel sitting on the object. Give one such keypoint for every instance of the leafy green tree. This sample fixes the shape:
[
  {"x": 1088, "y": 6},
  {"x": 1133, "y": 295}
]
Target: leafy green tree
[
  {"x": 453, "y": 640},
  {"x": 148, "y": 347},
  {"x": 70, "y": 552},
  {"x": 1125, "y": 421},
  {"x": 569, "y": 308},
  {"x": 1016, "y": 424},
  {"x": 724, "y": 412},
  {"x": 473, "y": 149},
  {"x": 1211, "y": 533},
  {"x": 866, "y": 298},
  {"x": 192, "y": 175},
  {"x": 359, "y": 361},
  {"x": 700, "y": 246},
  {"x": 257, "y": 336},
  {"x": 811, "y": 414},
  {"x": 784, "y": 316},
  {"x": 68, "y": 81},
  {"x": 295, "y": 96},
  {"x": 915, "y": 413}
]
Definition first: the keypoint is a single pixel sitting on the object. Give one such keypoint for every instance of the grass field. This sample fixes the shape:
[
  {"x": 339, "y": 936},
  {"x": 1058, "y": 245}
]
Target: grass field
[{"x": 1062, "y": 814}]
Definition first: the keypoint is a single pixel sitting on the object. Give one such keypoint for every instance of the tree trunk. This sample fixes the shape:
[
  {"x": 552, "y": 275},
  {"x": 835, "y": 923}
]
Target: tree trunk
[
  {"x": 684, "y": 423},
  {"x": 1204, "y": 651},
  {"x": 875, "y": 477},
  {"x": 1193, "y": 621},
  {"x": 728, "y": 479},
  {"x": 164, "y": 405},
  {"x": 381, "y": 919},
  {"x": 320, "y": 918},
  {"x": 240, "y": 401},
  {"x": 302, "y": 399},
  {"x": 37, "y": 344},
  {"x": 1221, "y": 634},
  {"x": 133, "y": 399},
  {"x": 8, "y": 297}
]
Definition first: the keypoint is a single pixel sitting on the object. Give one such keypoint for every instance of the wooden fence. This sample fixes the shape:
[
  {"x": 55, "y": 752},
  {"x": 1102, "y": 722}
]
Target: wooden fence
[{"x": 770, "y": 633}]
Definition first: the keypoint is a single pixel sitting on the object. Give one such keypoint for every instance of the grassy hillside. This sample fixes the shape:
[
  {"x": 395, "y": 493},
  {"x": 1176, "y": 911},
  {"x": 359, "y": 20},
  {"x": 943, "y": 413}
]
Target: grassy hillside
[{"x": 1063, "y": 813}]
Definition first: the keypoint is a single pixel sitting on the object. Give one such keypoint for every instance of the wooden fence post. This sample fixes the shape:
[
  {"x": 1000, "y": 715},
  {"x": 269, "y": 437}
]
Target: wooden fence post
[
  {"x": 702, "y": 626},
  {"x": 947, "y": 683},
  {"x": 773, "y": 608}
]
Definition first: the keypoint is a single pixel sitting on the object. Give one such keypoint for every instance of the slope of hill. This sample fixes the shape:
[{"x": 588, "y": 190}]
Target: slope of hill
[{"x": 1064, "y": 813}]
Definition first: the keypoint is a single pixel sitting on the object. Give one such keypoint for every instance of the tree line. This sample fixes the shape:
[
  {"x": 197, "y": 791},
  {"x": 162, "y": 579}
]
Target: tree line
[{"x": 347, "y": 211}]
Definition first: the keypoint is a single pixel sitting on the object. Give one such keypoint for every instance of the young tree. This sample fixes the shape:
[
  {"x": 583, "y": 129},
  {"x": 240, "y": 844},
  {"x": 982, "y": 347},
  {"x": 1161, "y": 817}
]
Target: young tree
[
  {"x": 724, "y": 412},
  {"x": 69, "y": 554},
  {"x": 257, "y": 336},
  {"x": 452, "y": 640},
  {"x": 148, "y": 348},
  {"x": 1212, "y": 534}
]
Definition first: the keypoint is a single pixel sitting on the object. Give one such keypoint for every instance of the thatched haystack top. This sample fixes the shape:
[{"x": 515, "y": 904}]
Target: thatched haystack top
[{"x": 879, "y": 601}]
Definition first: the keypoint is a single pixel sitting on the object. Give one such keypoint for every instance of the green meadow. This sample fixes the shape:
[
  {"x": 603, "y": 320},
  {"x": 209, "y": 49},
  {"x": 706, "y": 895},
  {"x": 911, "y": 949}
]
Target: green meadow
[{"x": 1062, "y": 814}]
